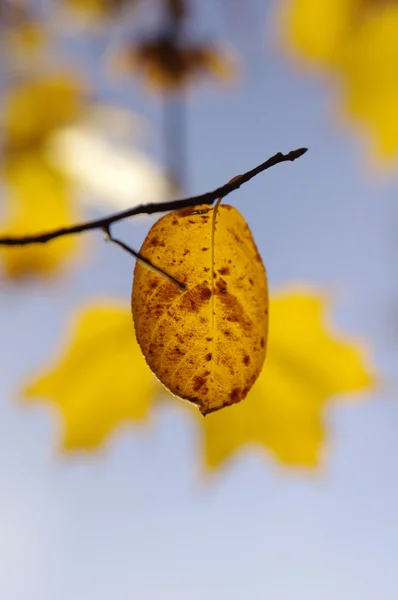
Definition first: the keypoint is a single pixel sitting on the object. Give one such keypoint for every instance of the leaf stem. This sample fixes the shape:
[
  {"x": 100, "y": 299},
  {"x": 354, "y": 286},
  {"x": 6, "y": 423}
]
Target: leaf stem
[{"x": 141, "y": 259}]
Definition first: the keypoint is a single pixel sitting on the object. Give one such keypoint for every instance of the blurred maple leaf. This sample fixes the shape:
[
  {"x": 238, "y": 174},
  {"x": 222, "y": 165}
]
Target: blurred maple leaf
[
  {"x": 38, "y": 196},
  {"x": 306, "y": 366},
  {"x": 357, "y": 41},
  {"x": 102, "y": 380}
]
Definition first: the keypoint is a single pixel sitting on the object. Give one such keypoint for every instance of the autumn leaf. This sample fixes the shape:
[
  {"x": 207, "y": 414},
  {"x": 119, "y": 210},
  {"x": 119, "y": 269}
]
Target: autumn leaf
[
  {"x": 37, "y": 197},
  {"x": 206, "y": 343},
  {"x": 34, "y": 110},
  {"x": 38, "y": 200},
  {"x": 307, "y": 367},
  {"x": 356, "y": 42},
  {"x": 100, "y": 380}
]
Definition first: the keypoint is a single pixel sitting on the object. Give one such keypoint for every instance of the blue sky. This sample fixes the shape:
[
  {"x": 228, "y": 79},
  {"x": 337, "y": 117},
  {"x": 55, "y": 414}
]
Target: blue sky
[{"x": 139, "y": 520}]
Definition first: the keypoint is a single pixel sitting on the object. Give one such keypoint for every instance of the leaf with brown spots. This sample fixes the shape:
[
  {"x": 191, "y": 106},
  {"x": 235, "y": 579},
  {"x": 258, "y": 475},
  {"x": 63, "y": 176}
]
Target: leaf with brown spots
[{"x": 206, "y": 343}]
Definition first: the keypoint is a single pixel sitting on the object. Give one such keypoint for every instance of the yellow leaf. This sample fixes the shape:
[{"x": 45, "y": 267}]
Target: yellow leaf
[
  {"x": 39, "y": 200},
  {"x": 205, "y": 343},
  {"x": 370, "y": 75},
  {"x": 100, "y": 380},
  {"x": 316, "y": 30},
  {"x": 32, "y": 111},
  {"x": 356, "y": 40},
  {"x": 96, "y": 9},
  {"x": 307, "y": 366}
]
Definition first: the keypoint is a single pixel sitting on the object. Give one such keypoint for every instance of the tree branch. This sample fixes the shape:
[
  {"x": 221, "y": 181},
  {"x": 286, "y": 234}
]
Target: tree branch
[{"x": 104, "y": 223}]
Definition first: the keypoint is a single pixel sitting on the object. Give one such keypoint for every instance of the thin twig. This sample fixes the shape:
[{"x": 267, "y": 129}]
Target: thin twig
[
  {"x": 145, "y": 261},
  {"x": 149, "y": 209}
]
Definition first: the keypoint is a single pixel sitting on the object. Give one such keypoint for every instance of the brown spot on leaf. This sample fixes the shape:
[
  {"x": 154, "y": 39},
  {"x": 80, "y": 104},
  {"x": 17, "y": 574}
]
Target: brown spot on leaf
[
  {"x": 204, "y": 249},
  {"x": 208, "y": 356},
  {"x": 262, "y": 342},
  {"x": 246, "y": 360},
  {"x": 156, "y": 242},
  {"x": 196, "y": 297},
  {"x": 198, "y": 382},
  {"x": 234, "y": 312},
  {"x": 224, "y": 271},
  {"x": 221, "y": 286},
  {"x": 186, "y": 212},
  {"x": 235, "y": 395},
  {"x": 205, "y": 292}
]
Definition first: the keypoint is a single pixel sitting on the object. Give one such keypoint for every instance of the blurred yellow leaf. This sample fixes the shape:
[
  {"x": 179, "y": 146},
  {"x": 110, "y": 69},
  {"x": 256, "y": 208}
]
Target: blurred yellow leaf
[
  {"x": 317, "y": 30},
  {"x": 306, "y": 367},
  {"x": 39, "y": 197},
  {"x": 35, "y": 109},
  {"x": 97, "y": 9},
  {"x": 100, "y": 380},
  {"x": 206, "y": 343},
  {"x": 370, "y": 74},
  {"x": 356, "y": 40},
  {"x": 38, "y": 200}
]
